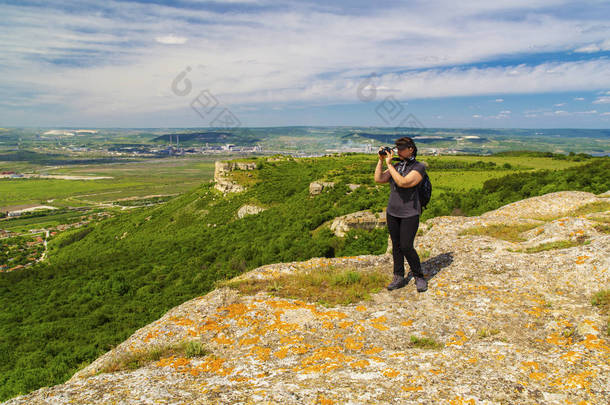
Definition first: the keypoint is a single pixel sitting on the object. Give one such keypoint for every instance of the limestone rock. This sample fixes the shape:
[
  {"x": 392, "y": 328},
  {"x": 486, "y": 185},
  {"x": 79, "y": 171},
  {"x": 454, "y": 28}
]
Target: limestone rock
[
  {"x": 357, "y": 220},
  {"x": 249, "y": 210},
  {"x": 317, "y": 187},
  {"x": 221, "y": 171}
]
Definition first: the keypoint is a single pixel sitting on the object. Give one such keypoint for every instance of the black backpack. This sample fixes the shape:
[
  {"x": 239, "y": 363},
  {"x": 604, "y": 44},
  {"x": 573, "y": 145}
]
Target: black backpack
[{"x": 424, "y": 189}]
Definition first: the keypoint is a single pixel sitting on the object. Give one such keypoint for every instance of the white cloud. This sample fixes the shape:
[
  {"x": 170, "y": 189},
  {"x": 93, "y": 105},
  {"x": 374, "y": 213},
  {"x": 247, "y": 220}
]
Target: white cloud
[
  {"x": 579, "y": 99},
  {"x": 602, "y": 100},
  {"x": 505, "y": 112},
  {"x": 314, "y": 56},
  {"x": 476, "y": 116},
  {"x": 561, "y": 112},
  {"x": 586, "y": 112},
  {"x": 559, "y": 105},
  {"x": 171, "y": 40},
  {"x": 588, "y": 49},
  {"x": 604, "y": 113}
]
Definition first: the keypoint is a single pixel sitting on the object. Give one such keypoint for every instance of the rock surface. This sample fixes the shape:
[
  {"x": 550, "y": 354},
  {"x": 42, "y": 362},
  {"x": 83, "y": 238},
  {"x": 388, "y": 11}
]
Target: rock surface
[
  {"x": 357, "y": 220},
  {"x": 512, "y": 328},
  {"x": 248, "y": 210},
  {"x": 222, "y": 169},
  {"x": 316, "y": 187}
]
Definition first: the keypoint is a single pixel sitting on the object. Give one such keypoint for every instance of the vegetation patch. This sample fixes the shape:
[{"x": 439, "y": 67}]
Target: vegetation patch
[
  {"x": 561, "y": 244},
  {"x": 329, "y": 287},
  {"x": 135, "y": 360},
  {"x": 425, "y": 343},
  {"x": 601, "y": 299},
  {"x": 603, "y": 228},
  {"x": 509, "y": 233},
  {"x": 590, "y": 208}
]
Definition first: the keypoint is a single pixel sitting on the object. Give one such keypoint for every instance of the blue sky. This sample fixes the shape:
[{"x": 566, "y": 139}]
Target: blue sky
[{"x": 500, "y": 64}]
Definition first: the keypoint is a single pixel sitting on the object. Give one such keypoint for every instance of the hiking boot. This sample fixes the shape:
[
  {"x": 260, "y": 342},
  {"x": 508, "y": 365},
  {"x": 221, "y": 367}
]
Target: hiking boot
[
  {"x": 409, "y": 277},
  {"x": 421, "y": 284},
  {"x": 398, "y": 282}
]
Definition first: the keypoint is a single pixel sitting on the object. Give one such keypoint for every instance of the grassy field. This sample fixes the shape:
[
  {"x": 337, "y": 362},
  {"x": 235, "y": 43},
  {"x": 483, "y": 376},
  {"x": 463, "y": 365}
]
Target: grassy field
[{"x": 150, "y": 177}]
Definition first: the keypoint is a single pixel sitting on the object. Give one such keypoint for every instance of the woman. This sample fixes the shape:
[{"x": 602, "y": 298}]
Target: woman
[{"x": 403, "y": 210}]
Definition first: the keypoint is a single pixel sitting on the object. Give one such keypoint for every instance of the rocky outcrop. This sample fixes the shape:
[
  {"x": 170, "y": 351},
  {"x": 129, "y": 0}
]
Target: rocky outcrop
[
  {"x": 357, "y": 220},
  {"x": 248, "y": 210},
  {"x": 317, "y": 187},
  {"x": 221, "y": 171},
  {"x": 496, "y": 326}
]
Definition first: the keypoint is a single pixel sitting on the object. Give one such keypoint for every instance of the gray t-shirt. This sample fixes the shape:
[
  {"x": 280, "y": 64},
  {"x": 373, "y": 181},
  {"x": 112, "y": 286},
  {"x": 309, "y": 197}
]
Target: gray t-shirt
[{"x": 404, "y": 202}]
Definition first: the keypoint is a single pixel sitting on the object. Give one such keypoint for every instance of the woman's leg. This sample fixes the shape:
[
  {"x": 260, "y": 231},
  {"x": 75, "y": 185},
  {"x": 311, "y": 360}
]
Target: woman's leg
[
  {"x": 408, "y": 230},
  {"x": 394, "y": 227}
]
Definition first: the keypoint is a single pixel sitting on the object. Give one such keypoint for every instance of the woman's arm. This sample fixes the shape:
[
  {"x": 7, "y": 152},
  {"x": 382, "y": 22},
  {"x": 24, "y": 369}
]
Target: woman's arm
[
  {"x": 381, "y": 176},
  {"x": 412, "y": 178}
]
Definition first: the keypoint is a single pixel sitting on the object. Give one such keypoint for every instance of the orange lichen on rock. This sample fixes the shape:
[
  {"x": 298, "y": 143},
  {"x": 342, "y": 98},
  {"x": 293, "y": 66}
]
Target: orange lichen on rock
[
  {"x": 360, "y": 364},
  {"x": 391, "y": 373},
  {"x": 353, "y": 343},
  {"x": 458, "y": 341}
]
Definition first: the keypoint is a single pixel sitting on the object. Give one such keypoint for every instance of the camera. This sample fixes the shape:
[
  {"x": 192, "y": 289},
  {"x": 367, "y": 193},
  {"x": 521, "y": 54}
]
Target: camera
[{"x": 384, "y": 151}]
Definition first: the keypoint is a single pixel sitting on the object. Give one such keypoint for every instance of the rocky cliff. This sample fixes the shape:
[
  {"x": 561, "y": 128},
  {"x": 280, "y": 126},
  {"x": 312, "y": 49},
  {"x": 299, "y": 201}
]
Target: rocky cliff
[{"x": 503, "y": 322}]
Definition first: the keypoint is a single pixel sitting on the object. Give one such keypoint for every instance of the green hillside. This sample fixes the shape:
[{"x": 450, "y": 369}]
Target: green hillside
[{"x": 104, "y": 281}]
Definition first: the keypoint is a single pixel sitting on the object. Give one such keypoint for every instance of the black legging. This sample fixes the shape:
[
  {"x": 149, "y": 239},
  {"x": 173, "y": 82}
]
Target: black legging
[{"x": 402, "y": 232}]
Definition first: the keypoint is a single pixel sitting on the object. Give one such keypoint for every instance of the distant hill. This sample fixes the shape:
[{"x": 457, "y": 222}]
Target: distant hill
[{"x": 212, "y": 137}]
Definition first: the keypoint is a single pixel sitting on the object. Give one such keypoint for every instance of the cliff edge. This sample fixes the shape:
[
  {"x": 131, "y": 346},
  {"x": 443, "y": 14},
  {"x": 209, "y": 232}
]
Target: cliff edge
[{"x": 508, "y": 319}]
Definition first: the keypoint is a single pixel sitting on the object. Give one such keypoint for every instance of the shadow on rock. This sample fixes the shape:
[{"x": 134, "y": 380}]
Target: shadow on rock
[{"x": 434, "y": 265}]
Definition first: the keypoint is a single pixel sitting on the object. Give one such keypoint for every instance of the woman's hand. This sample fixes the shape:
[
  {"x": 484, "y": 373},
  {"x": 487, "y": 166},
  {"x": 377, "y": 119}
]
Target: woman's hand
[
  {"x": 388, "y": 157},
  {"x": 381, "y": 157}
]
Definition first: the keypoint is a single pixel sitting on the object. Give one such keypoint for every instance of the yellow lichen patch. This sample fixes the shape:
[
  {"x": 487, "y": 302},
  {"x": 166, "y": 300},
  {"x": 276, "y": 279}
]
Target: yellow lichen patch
[
  {"x": 282, "y": 328},
  {"x": 378, "y": 323},
  {"x": 578, "y": 380},
  {"x": 409, "y": 388},
  {"x": 571, "y": 356},
  {"x": 262, "y": 353},
  {"x": 372, "y": 351},
  {"x": 407, "y": 323},
  {"x": 527, "y": 365},
  {"x": 472, "y": 360},
  {"x": 360, "y": 364},
  {"x": 223, "y": 340},
  {"x": 459, "y": 340},
  {"x": 151, "y": 335},
  {"x": 181, "y": 321},
  {"x": 537, "y": 376},
  {"x": 592, "y": 342},
  {"x": 461, "y": 401},
  {"x": 437, "y": 371},
  {"x": 361, "y": 308},
  {"x": 234, "y": 310},
  {"x": 391, "y": 373},
  {"x": 249, "y": 341},
  {"x": 557, "y": 340},
  {"x": 581, "y": 259},
  {"x": 300, "y": 349},
  {"x": 323, "y": 400},
  {"x": 359, "y": 328},
  {"x": 328, "y": 325},
  {"x": 353, "y": 343},
  {"x": 211, "y": 325},
  {"x": 290, "y": 339},
  {"x": 345, "y": 324},
  {"x": 324, "y": 360},
  {"x": 282, "y": 353}
]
